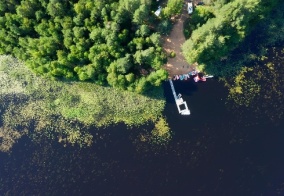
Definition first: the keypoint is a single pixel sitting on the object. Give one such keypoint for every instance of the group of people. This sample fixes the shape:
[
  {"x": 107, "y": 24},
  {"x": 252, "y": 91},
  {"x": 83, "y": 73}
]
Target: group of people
[{"x": 195, "y": 74}]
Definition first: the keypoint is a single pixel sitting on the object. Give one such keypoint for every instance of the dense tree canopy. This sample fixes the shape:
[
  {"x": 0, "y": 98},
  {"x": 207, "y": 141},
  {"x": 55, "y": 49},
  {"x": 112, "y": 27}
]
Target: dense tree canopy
[
  {"x": 90, "y": 40},
  {"x": 212, "y": 42},
  {"x": 198, "y": 18},
  {"x": 173, "y": 7}
]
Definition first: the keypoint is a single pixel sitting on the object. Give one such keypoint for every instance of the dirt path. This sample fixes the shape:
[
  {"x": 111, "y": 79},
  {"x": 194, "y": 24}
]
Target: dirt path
[{"x": 173, "y": 42}]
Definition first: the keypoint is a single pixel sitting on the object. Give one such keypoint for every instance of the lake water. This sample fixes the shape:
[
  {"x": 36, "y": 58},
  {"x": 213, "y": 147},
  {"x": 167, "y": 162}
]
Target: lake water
[{"x": 217, "y": 150}]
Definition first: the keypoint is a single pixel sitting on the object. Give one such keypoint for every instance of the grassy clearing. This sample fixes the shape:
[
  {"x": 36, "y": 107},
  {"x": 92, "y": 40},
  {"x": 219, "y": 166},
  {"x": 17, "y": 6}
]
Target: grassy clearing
[{"x": 66, "y": 110}]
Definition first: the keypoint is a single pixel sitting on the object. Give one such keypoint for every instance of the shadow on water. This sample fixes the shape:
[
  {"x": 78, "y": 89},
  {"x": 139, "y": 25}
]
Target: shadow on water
[
  {"x": 206, "y": 102},
  {"x": 212, "y": 153}
]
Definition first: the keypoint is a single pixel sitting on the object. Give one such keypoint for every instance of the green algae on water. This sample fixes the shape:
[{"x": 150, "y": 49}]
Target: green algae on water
[{"x": 65, "y": 110}]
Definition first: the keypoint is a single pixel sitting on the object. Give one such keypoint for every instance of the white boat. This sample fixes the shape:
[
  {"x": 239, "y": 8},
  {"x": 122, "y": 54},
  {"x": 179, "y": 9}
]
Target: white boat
[{"x": 208, "y": 76}]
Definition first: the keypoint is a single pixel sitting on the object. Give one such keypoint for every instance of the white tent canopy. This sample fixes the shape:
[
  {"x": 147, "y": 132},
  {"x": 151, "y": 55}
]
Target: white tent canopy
[{"x": 158, "y": 12}]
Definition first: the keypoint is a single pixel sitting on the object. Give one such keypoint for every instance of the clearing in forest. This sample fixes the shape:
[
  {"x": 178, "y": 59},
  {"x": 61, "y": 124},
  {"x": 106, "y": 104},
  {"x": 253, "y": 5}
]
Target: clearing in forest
[{"x": 173, "y": 42}]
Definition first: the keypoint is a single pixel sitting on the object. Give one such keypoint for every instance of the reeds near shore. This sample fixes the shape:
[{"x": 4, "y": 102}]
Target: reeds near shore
[{"x": 65, "y": 109}]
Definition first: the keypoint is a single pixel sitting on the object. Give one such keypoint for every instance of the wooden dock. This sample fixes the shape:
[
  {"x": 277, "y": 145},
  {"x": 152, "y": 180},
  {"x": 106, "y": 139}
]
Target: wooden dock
[{"x": 181, "y": 105}]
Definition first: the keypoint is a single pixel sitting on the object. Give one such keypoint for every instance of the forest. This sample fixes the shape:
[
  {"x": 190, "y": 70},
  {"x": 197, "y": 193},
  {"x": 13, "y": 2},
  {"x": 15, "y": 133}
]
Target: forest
[
  {"x": 220, "y": 35},
  {"x": 118, "y": 42},
  {"x": 107, "y": 42}
]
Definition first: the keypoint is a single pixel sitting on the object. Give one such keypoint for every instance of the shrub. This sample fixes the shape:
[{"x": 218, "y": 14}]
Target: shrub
[
  {"x": 172, "y": 54},
  {"x": 165, "y": 27}
]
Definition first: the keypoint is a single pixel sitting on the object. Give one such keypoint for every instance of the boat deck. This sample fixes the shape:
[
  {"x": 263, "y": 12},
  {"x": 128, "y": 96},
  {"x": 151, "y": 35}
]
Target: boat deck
[{"x": 181, "y": 104}]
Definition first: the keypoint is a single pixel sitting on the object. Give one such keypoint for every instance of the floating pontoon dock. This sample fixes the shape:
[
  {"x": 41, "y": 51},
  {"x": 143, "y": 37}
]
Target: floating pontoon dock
[{"x": 179, "y": 101}]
